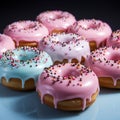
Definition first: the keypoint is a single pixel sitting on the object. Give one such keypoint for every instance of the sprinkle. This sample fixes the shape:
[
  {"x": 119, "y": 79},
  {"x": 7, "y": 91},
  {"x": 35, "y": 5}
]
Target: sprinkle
[{"x": 10, "y": 56}]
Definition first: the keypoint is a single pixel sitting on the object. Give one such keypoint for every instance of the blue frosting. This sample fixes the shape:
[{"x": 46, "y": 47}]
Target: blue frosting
[{"x": 24, "y": 63}]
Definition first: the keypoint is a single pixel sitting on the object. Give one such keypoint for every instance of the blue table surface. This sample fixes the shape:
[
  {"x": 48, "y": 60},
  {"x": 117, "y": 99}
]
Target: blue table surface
[{"x": 27, "y": 106}]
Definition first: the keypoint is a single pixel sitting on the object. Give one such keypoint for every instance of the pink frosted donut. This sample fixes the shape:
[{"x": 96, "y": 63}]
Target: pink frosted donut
[
  {"x": 105, "y": 62},
  {"x": 96, "y": 31},
  {"x": 56, "y": 20},
  {"x": 26, "y": 31},
  {"x": 6, "y": 43},
  {"x": 65, "y": 46},
  {"x": 70, "y": 85},
  {"x": 115, "y": 39}
]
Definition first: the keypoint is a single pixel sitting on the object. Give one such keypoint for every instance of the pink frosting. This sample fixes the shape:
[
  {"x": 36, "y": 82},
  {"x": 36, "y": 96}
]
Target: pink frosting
[
  {"x": 93, "y": 30},
  {"x": 26, "y": 30},
  {"x": 105, "y": 62},
  {"x": 68, "y": 81},
  {"x": 56, "y": 20},
  {"x": 6, "y": 43},
  {"x": 115, "y": 39},
  {"x": 65, "y": 46}
]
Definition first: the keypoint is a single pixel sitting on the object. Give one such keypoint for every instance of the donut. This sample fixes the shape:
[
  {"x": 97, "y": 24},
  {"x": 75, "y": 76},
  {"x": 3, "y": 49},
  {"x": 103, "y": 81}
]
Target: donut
[
  {"x": 115, "y": 39},
  {"x": 19, "y": 68},
  {"x": 6, "y": 43},
  {"x": 105, "y": 62},
  {"x": 26, "y": 32},
  {"x": 68, "y": 86},
  {"x": 65, "y": 46},
  {"x": 56, "y": 20},
  {"x": 97, "y": 32}
]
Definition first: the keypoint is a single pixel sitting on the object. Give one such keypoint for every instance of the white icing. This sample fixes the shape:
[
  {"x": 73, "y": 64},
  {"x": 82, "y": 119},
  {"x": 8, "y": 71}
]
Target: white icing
[{"x": 65, "y": 46}]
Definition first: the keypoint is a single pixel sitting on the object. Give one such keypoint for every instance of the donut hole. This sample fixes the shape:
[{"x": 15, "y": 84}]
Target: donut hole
[
  {"x": 115, "y": 57},
  {"x": 56, "y": 16},
  {"x": 27, "y": 26},
  {"x": 24, "y": 56},
  {"x": 64, "y": 39},
  {"x": 71, "y": 73},
  {"x": 30, "y": 26},
  {"x": 92, "y": 25}
]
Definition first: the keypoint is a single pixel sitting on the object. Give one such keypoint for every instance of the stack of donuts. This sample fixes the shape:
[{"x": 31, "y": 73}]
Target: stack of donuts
[{"x": 65, "y": 60}]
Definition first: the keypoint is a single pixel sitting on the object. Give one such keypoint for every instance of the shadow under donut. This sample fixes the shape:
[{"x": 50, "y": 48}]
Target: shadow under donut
[
  {"x": 105, "y": 91},
  {"x": 30, "y": 106},
  {"x": 6, "y": 92}
]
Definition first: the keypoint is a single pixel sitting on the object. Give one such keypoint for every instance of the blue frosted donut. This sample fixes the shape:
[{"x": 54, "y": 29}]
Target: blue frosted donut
[{"x": 23, "y": 63}]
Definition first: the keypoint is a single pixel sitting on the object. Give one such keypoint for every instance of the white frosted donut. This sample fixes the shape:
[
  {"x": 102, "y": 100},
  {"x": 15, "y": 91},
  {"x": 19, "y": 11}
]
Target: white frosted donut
[{"x": 65, "y": 46}]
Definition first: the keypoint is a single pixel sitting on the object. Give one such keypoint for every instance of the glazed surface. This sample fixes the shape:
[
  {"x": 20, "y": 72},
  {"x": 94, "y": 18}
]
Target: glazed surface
[
  {"x": 68, "y": 81},
  {"x": 93, "y": 30},
  {"x": 105, "y": 62},
  {"x": 6, "y": 43},
  {"x": 65, "y": 46},
  {"x": 56, "y": 20},
  {"x": 23, "y": 63},
  {"x": 115, "y": 39},
  {"x": 26, "y": 31}
]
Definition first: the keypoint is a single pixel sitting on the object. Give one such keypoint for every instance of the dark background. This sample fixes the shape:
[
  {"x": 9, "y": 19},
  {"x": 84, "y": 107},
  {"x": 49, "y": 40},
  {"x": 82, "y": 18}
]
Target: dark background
[{"x": 14, "y": 10}]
